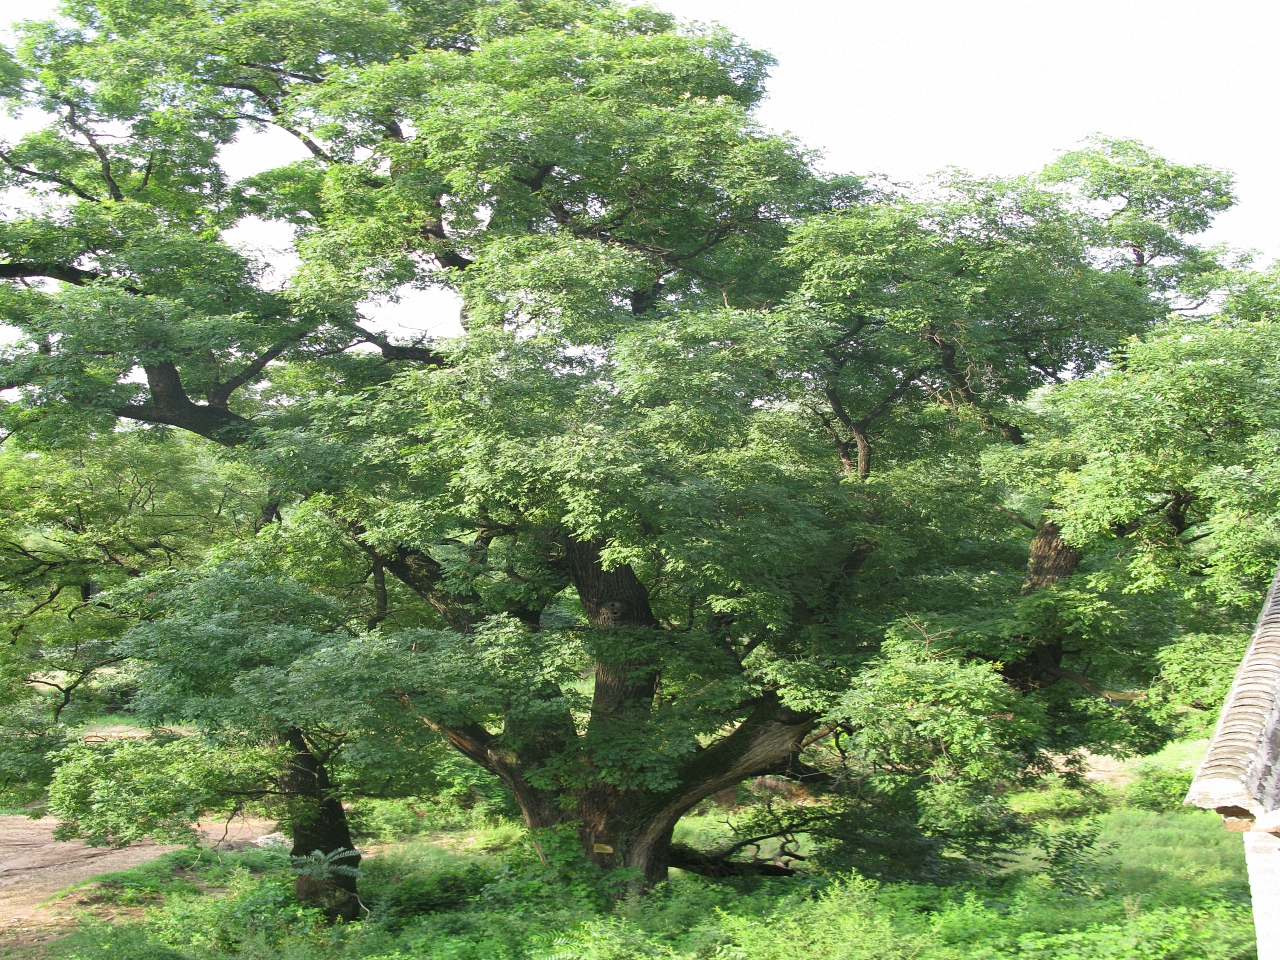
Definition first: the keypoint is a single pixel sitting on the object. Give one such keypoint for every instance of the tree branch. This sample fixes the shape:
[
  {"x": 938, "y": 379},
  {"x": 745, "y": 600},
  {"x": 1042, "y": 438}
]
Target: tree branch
[
  {"x": 709, "y": 865},
  {"x": 48, "y": 178},
  {"x": 1016, "y": 516},
  {"x": 220, "y": 395},
  {"x": 1084, "y": 683},
  {"x": 51, "y": 271},
  {"x": 171, "y": 406},
  {"x": 395, "y": 351},
  {"x": 276, "y": 118},
  {"x": 959, "y": 380},
  {"x": 104, "y": 161}
]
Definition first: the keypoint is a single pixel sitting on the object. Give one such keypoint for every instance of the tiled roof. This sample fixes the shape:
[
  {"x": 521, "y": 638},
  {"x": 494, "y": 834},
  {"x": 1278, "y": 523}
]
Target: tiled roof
[{"x": 1242, "y": 767}]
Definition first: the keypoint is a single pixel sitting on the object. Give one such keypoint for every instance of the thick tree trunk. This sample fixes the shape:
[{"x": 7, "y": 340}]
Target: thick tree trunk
[
  {"x": 611, "y": 598},
  {"x": 1052, "y": 561},
  {"x": 633, "y": 828},
  {"x": 1052, "y": 558},
  {"x": 614, "y": 600},
  {"x": 423, "y": 575},
  {"x": 318, "y": 822}
]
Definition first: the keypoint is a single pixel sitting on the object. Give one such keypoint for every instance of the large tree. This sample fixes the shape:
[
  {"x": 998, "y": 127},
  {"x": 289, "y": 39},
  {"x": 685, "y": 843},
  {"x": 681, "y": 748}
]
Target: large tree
[{"x": 715, "y": 422}]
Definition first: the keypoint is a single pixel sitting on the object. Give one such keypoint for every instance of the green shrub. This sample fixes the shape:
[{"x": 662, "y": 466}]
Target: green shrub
[
  {"x": 115, "y": 793},
  {"x": 100, "y": 941},
  {"x": 1159, "y": 789},
  {"x": 1072, "y": 857},
  {"x": 252, "y": 907},
  {"x": 1218, "y": 932},
  {"x": 268, "y": 859},
  {"x": 431, "y": 893},
  {"x": 386, "y": 821},
  {"x": 145, "y": 883},
  {"x": 843, "y": 923},
  {"x": 1175, "y": 890},
  {"x": 1053, "y": 799}
]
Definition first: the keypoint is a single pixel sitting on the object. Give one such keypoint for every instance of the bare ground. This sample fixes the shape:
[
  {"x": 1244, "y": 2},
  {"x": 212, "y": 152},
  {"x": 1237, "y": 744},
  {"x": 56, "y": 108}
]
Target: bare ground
[{"x": 34, "y": 867}]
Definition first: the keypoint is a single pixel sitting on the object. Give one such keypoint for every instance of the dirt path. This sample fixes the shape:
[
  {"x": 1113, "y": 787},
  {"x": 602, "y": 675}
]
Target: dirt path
[{"x": 34, "y": 866}]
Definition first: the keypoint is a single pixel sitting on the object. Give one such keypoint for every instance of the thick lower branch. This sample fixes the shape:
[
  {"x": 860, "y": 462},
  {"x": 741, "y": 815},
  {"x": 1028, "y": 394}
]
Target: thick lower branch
[
  {"x": 423, "y": 575},
  {"x": 709, "y": 865},
  {"x": 960, "y": 382},
  {"x": 220, "y": 426},
  {"x": 1084, "y": 683},
  {"x": 770, "y": 734}
]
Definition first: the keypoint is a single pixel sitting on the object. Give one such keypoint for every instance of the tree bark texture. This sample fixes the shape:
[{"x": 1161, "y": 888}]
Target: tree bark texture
[
  {"x": 1052, "y": 558},
  {"x": 318, "y": 823}
]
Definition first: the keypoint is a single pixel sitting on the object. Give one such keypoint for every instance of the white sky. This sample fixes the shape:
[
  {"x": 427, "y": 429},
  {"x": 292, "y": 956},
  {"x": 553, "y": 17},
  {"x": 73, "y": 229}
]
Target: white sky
[{"x": 906, "y": 87}]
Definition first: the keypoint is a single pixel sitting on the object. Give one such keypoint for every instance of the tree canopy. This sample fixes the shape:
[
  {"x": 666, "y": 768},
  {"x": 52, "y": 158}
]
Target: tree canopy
[{"x": 733, "y": 459}]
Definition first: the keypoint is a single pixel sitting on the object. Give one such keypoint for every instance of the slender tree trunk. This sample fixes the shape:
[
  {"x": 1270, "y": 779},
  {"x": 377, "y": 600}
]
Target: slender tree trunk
[
  {"x": 1052, "y": 560},
  {"x": 864, "y": 452},
  {"x": 318, "y": 823}
]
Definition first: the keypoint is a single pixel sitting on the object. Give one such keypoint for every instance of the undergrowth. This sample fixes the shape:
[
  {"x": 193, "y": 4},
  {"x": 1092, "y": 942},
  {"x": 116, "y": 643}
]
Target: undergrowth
[{"x": 1118, "y": 871}]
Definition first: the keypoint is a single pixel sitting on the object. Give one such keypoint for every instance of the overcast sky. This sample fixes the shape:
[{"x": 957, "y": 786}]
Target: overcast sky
[{"x": 906, "y": 87}]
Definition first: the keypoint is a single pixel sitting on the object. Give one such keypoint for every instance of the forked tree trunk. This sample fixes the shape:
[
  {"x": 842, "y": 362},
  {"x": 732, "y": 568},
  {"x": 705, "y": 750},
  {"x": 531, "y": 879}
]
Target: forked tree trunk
[
  {"x": 621, "y": 826},
  {"x": 769, "y": 737},
  {"x": 632, "y": 828}
]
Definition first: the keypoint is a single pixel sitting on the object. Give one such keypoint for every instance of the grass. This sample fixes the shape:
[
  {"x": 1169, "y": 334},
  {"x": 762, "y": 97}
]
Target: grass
[
  {"x": 1110, "y": 881},
  {"x": 179, "y": 874}
]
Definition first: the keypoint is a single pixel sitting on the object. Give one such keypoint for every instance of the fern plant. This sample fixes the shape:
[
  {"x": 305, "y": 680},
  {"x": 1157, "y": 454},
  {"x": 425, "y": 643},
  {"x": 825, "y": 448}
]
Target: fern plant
[{"x": 325, "y": 866}]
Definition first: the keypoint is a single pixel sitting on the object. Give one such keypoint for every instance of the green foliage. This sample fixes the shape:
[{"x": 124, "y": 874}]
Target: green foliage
[
  {"x": 1151, "y": 204},
  {"x": 1159, "y": 788},
  {"x": 146, "y": 884},
  {"x": 253, "y": 910},
  {"x": 385, "y": 821},
  {"x": 25, "y": 765},
  {"x": 1213, "y": 934},
  {"x": 917, "y": 771},
  {"x": 111, "y": 942},
  {"x": 323, "y": 866},
  {"x": 1054, "y": 799},
  {"x": 1195, "y": 674},
  {"x": 121, "y": 791},
  {"x": 1175, "y": 887},
  {"x": 75, "y": 523},
  {"x": 430, "y": 893},
  {"x": 462, "y": 798},
  {"x": 1173, "y": 454},
  {"x": 1072, "y": 858},
  {"x": 722, "y": 435}
]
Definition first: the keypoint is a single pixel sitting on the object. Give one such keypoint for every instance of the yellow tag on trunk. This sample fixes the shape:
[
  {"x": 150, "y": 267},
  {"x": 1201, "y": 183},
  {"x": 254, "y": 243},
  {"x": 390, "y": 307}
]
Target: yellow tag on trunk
[{"x": 602, "y": 848}]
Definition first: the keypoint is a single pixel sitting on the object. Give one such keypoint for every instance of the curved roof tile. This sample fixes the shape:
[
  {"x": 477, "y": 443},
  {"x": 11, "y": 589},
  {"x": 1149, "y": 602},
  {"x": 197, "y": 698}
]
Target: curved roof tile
[{"x": 1242, "y": 767}]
